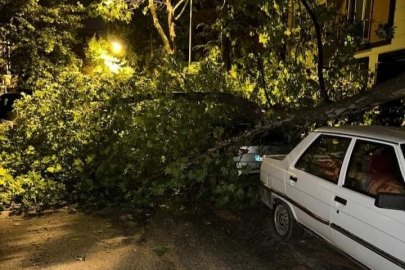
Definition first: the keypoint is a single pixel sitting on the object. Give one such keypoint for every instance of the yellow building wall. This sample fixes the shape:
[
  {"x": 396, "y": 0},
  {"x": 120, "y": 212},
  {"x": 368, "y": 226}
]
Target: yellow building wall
[{"x": 397, "y": 43}]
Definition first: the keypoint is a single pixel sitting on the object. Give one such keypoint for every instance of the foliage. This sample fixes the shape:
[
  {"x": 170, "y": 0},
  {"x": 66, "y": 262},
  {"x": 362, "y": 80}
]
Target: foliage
[
  {"x": 42, "y": 35},
  {"x": 111, "y": 11},
  {"x": 103, "y": 59},
  {"x": 122, "y": 10},
  {"x": 7, "y": 187},
  {"x": 111, "y": 140},
  {"x": 385, "y": 31},
  {"x": 26, "y": 188},
  {"x": 118, "y": 131},
  {"x": 273, "y": 54}
]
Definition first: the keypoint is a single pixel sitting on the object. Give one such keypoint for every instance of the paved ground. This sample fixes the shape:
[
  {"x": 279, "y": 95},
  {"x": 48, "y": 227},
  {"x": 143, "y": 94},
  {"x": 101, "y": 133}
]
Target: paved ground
[{"x": 164, "y": 240}]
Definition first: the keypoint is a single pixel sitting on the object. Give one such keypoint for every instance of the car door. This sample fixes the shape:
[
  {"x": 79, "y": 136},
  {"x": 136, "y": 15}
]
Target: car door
[
  {"x": 312, "y": 180},
  {"x": 373, "y": 236}
]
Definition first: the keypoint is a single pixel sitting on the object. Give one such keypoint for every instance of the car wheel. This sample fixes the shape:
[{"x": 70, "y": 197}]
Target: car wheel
[{"x": 285, "y": 226}]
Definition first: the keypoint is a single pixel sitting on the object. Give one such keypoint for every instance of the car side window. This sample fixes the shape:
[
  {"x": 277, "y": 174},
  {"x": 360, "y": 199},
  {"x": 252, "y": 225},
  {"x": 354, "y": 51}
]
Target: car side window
[
  {"x": 374, "y": 168},
  {"x": 324, "y": 157}
]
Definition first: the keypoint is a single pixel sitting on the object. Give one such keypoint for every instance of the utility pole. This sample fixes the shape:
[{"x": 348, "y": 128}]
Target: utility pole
[{"x": 191, "y": 32}]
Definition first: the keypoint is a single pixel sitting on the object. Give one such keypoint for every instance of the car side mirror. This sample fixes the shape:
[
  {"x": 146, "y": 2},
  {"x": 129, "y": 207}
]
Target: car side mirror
[{"x": 391, "y": 201}]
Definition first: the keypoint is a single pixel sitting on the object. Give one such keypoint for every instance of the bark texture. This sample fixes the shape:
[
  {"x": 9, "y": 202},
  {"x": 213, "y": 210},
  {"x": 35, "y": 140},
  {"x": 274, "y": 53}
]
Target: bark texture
[
  {"x": 158, "y": 26},
  {"x": 171, "y": 25}
]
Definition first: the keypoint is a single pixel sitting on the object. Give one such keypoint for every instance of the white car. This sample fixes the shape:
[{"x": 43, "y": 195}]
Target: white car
[
  {"x": 252, "y": 156},
  {"x": 345, "y": 184},
  {"x": 249, "y": 156}
]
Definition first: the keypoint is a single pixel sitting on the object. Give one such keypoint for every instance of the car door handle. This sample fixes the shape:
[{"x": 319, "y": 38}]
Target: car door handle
[
  {"x": 293, "y": 178},
  {"x": 340, "y": 200}
]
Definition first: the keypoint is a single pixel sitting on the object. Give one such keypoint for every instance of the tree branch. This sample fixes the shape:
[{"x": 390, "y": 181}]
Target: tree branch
[
  {"x": 183, "y": 9},
  {"x": 179, "y": 3},
  {"x": 322, "y": 86},
  {"x": 159, "y": 28},
  {"x": 261, "y": 70},
  {"x": 170, "y": 23}
]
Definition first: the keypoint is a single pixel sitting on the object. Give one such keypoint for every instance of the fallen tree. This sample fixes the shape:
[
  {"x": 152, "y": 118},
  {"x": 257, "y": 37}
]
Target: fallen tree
[
  {"x": 65, "y": 146},
  {"x": 380, "y": 94},
  {"x": 393, "y": 89},
  {"x": 153, "y": 126}
]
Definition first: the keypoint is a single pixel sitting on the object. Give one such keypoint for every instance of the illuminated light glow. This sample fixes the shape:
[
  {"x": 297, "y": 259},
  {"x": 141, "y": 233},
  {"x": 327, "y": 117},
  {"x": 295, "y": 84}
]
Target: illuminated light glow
[
  {"x": 116, "y": 46},
  {"x": 113, "y": 67},
  {"x": 111, "y": 62}
]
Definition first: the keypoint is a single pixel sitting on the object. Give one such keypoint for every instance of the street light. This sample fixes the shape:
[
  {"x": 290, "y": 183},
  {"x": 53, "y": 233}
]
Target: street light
[{"x": 116, "y": 47}]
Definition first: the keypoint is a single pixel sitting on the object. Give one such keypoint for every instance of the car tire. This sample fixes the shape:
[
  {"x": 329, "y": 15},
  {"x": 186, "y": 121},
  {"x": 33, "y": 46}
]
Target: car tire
[{"x": 285, "y": 227}]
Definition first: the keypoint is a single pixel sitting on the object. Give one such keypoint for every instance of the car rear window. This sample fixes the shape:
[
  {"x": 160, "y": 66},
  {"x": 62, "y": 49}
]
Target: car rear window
[{"x": 324, "y": 158}]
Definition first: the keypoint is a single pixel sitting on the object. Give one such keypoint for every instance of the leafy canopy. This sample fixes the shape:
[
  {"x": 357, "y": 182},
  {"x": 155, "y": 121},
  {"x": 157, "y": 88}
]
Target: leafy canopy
[
  {"x": 133, "y": 126},
  {"x": 42, "y": 35}
]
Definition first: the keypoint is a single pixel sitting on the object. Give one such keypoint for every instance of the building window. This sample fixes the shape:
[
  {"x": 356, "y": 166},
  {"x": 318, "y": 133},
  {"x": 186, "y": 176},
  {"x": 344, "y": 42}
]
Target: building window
[
  {"x": 372, "y": 16},
  {"x": 359, "y": 11}
]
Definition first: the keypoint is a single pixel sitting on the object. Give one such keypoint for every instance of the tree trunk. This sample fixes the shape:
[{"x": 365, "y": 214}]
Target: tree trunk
[
  {"x": 263, "y": 76},
  {"x": 171, "y": 25},
  {"x": 159, "y": 28},
  {"x": 322, "y": 86}
]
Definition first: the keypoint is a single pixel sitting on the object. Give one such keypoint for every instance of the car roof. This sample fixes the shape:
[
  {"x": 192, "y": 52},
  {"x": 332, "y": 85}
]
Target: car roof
[{"x": 391, "y": 134}]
